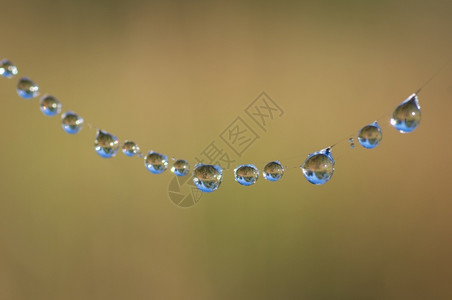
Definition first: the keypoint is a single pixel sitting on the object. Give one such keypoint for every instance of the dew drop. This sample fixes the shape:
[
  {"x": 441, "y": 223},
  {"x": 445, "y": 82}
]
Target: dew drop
[
  {"x": 27, "y": 89},
  {"x": 407, "y": 116},
  {"x": 106, "y": 144},
  {"x": 246, "y": 174},
  {"x": 370, "y": 135},
  {"x": 180, "y": 167},
  {"x": 273, "y": 171},
  {"x": 319, "y": 167},
  {"x": 50, "y": 106},
  {"x": 207, "y": 178},
  {"x": 351, "y": 142},
  {"x": 130, "y": 148},
  {"x": 7, "y": 68},
  {"x": 71, "y": 122},
  {"x": 156, "y": 163}
]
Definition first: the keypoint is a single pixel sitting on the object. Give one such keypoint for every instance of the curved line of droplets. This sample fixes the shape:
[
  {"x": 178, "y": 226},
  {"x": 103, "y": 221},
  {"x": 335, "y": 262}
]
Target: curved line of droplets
[{"x": 318, "y": 167}]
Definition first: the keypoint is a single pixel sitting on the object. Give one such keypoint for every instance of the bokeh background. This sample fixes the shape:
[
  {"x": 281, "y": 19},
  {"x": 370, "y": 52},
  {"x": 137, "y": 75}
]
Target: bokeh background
[{"x": 172, "y": 75}]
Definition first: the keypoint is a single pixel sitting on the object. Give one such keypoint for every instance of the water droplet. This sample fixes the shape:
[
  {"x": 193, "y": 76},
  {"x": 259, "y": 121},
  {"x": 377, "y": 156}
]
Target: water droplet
[
  {"x": 370, "y": 135},
  {"x": 155, "y": 162},
  {"x": 7, "y": 68},
  {"x": 407, "y": 116},
  {"x": 72, "y": 123},
  {"x": 319, "y": 166},
  {"x": 130, "y": 148},
  {"x": 27, "y": 89},
  {"x": 246, "y": 174},
  {"x": 180, "y": 167},
  {"x": 207, "y": 178},
  {"x": 105, "y": 144},
  {"x": 50, "y": 106},
  {"x": 352, "y": 143},
  {"x": 273, "y": 171}
]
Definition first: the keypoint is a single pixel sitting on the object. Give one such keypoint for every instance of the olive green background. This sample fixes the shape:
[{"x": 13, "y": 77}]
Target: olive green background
[{"x": 172, "y": 75}]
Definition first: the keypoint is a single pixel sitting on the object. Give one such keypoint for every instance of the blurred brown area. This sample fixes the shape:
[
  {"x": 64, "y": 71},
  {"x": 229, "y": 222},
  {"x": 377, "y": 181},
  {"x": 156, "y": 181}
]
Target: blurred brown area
[{"x": 171, "y": 75}]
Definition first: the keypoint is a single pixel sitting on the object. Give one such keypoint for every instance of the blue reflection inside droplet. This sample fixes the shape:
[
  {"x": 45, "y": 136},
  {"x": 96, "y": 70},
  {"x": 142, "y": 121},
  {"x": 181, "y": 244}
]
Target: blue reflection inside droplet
[
  {"x": 156, "y": 163},
  {"x": 7, "y": 68},
  {"x": 273, "y": 171},
  {"x": 207, "y": 178},
  {"x": 27, "y": 89},
  {"x": 50, "y": 106},
  {"x": 106, "y": 144},
  {"x": 407, "y": 116},
  {"x": 246, "y": 174},
  {"x": 370, "y": 135},
  {"x": 180, "y": 167},
  {"x": 71, "y": 122},
  {"x": 319, "y": 167}
]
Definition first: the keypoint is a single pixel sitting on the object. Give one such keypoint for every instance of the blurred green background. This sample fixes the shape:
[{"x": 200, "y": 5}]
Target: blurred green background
[{"x": 172, "y": 75}]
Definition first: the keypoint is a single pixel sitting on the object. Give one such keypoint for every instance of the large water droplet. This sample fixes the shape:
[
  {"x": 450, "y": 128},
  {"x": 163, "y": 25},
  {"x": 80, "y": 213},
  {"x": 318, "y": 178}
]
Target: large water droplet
[
  {"x": 27, "y": 89},
  {"x": 71, "y": 122},
  {"x": 105, "y": 144},
  {"x": 130, "y": 148},
  {"x": 50, "y": 106},
  {"x": 370, "y": 135},
  {"x": 407, "y": 116},
  {"x": 319, "y": 166},
  {"x": 207, "y": 178},
  {"x": 180, "y": 167},
  {"x": 246, "y": 174},
  {"x": 155, "y": 162},
  {"x": 273, "y": 171},
  {"x": 7, "y": 68}
]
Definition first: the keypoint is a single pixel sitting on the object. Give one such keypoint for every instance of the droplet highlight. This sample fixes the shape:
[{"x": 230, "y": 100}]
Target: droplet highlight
[
  {"x": 180, "y": 167},
  {"x": 7, "y": 68},
  {"x": 246, "y": 174},
  {"x": 207, "y": 178},
  {"x": 370, "y": 135},
  {"x": 319, "y": 167},
  {"x": 106, "y": 144},
  {"x": 71, "y": 122},
  {"x": 273, "y": 171},
  {"x": 27, "y": 89},
  {"x": 50, "y": 106},
  {"x": 156, "y": 163},
  {"x": 407, "y": 116},
  {"x": 130, "y": 148}
]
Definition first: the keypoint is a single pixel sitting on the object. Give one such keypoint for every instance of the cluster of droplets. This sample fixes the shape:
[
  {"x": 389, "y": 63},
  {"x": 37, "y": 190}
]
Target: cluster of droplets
[{"x": 318, "y": 167}]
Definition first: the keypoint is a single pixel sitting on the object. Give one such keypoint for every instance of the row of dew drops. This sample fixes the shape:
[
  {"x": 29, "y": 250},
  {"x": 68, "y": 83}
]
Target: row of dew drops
[{"x": 318, "y": 167}]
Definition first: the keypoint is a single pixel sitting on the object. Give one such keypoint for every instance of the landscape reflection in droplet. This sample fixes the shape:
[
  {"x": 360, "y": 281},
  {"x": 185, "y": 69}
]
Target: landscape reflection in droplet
[
  {"x": 407, "y": 116},
  {"x": 106, "y": 144},
  {"x": 319, "y": 167},
  {"x": 71, "y": 122},
  {"x": 207, "y": 178}
]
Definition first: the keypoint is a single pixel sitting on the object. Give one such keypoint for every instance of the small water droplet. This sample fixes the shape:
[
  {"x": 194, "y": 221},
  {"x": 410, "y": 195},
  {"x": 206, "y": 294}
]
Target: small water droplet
[
  {"x": 71, "y": 122},
  {"x": 352, "y": 143},
  {"x": 246, "y": 174},
  {"x": 27, "y": 89},
  {"x": 106, "y": 144},
  {"x": 273, "y": 171},
  {"x": 370, "y": 135},
  {"x": 180, "y": 167},
  {"x": 407, "y": 116},
  {"x": 50, "y": 106},
  {"x": 156, "y": 163},
  {"x": 7, "y": 68},
  {"x": 130, "y": 148},
  {"x": 319, "y": 167},
  {"x": 207, "y": 178}
]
